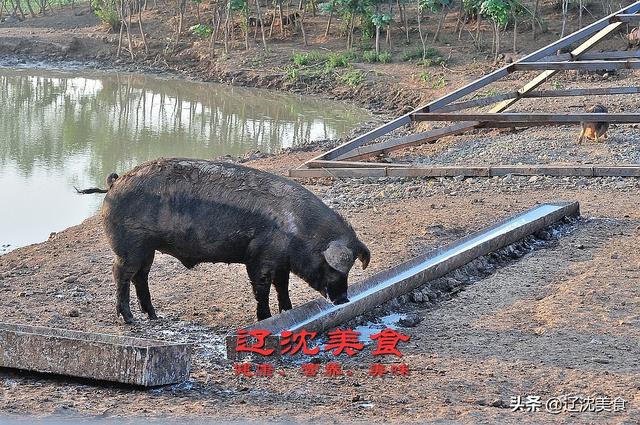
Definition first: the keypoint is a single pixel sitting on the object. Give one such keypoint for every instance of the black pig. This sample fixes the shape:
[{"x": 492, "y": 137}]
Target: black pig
[{"x": 201, "y": 211}]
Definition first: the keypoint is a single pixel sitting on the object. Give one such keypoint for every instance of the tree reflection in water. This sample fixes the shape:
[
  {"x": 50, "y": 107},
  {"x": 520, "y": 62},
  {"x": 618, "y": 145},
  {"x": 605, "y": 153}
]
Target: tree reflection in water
[{"x": 59, "y": 129}]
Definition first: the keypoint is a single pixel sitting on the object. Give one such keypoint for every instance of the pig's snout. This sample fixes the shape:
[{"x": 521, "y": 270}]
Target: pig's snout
[{"x": 342, "y": 299}]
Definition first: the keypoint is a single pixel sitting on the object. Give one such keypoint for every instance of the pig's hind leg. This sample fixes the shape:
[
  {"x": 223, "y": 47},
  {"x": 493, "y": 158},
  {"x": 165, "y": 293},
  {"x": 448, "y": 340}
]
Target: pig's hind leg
[
  {"x": 141, "y": 282},
  {"x": 123, "y": 271}
]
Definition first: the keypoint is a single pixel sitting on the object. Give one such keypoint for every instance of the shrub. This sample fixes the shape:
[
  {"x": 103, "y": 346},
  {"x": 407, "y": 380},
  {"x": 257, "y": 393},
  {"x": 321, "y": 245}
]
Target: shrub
[
  {"x": 369, "y": 56},
  {"x": 105, "y": 10},
  {"x": 201, "y": 30},
  {"x": 384, "y": 57},
  {"x": 352, "y": 77}
]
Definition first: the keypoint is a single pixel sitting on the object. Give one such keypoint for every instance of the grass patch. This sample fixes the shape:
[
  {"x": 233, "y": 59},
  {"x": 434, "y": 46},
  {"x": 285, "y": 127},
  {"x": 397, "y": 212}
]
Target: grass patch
[
  {"x": 434, "y": 81},
  {"x": 371, "y": 56},
  {"x": 352, "y": 77}
]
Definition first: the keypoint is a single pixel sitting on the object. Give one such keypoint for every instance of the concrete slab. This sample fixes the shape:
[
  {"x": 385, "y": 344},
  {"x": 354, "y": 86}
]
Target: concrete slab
[{"x": 96, "y": 356}]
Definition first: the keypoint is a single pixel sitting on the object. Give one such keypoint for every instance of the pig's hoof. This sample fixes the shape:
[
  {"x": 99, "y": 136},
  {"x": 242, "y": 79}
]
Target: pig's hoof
[
  {"x": 128, "y": 318},
  {"x": 152, "y": 316}
]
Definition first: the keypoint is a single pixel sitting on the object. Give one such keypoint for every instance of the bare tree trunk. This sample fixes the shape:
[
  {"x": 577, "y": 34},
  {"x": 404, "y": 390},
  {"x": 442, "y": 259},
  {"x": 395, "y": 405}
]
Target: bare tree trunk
[
  {"x": 226, "y": 27},
  {"x": 17, "y": 7},
  {"x": 120, "y": 38},
  {"x": 388, "y": 38},
  {"x": 215, "y": 22},
  {"x": 326, "y": 31},
  {"x": 533, "y": 19},
  {"x": 33, "y": 15},
  {"x": 515, "y": 30},
  {"x": 423, "y": 37},
  {"x": 580, "y": 14},
  {"x": 129, "y": 35},
  {"x": 280, "y": 16},
  {"x": 478, "y": 24},
  {"x": 264, "y": 40},
  {"x": 246, "y": 21},
  {"x": 403, "y": 19},
  {"x": 273, "y": 22},
  {"x": 443, "y": 16},
  {"x": 497, "y": 31},
  {"x": 304, "y": 33},
  {"x": 144, "y": 38},
  {"x": 565, "y": 9}
]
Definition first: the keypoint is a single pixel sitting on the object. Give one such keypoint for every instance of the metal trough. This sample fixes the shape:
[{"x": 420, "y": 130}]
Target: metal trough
[
  {"x": 319, "y": 314},
  {"x": 91, "y": 355}
]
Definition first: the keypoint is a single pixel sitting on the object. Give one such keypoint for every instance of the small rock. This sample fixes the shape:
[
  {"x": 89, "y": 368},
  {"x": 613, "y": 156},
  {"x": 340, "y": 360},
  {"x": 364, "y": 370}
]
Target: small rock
[
  {"x": 410, "y": 321},
  {"x": 70, "y": 279},
  {"x": 417, "y": 297},
  {"x": 74, "y": 313}
]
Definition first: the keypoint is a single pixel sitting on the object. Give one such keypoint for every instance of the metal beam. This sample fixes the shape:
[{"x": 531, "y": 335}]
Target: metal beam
[
  {"x": 479, "y": 83},
  {"x": 410, "y": 140},
  {"x": 526, "y": 117},
  {"x": 609, "y": 55},
  {"x": 581, "y": 65},
  {"x": 626, "y": 18}
]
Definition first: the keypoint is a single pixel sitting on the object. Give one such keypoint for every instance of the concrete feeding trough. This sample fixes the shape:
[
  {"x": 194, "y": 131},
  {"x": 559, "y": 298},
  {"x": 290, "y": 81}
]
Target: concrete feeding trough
[
  {"x": 103, "y": 357},
  {"x": 319, "y": 315}
]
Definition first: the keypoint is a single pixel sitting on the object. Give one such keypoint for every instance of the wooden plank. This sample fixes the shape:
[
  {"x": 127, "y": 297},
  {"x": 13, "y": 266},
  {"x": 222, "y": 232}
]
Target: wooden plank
[
  {"x": 474, "y": 171},
  {"x": 617, "y": 171},
  {"x": 577, "y": 65},
  {"x": 350, "y": 164},
  {"x": 546, "y": 170},
  {"x": 526, "y": 117},
  {"x": 410, "y": 140},
  {"x": 337, "y": 172},
  {"x": 102, "y": 357},
  {"x": 439, "y": 171}
]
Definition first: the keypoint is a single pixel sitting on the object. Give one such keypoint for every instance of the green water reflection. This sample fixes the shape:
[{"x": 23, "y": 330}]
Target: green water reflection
[{"x": 59, "y": 129}]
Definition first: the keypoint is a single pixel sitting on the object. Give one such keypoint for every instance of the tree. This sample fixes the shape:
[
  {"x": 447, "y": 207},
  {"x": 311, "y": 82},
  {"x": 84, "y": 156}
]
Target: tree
[{"x": 498, "y": 11}]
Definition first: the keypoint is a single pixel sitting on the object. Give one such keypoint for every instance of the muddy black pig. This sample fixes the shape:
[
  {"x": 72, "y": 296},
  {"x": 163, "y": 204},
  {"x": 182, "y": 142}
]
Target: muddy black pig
[{"x": 201, "y": 211}]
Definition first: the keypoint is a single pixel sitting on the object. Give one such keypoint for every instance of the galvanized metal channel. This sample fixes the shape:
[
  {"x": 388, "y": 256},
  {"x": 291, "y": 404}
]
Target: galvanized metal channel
[
  {"x": 103, "y": 357},
  {"x": 319, "y": 314}
]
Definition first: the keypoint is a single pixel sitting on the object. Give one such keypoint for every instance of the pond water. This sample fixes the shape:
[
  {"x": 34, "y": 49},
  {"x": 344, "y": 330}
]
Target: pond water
[{"x": 64, "y": 129}]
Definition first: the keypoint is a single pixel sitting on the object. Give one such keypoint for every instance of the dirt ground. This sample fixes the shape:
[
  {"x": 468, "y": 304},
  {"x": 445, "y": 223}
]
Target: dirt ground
[{"x": 562, "y": 321}]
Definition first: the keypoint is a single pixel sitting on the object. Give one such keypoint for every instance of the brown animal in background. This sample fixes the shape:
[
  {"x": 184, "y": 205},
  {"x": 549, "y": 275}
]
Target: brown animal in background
[
  {"x": 634, "y": 38},
  {"x": 594, "y": 130}
]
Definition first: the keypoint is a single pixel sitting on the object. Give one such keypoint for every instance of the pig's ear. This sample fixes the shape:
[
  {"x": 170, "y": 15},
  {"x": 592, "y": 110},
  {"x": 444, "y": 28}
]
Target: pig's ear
[{"x": 339, "y": 256}]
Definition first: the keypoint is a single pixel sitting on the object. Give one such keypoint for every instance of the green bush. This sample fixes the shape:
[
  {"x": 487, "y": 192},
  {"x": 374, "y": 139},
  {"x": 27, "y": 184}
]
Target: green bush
[
  {"x": 337, "y": 60},
  {"x": 352, "y": 77},
  {"x": 201, "y": 30},
  {"x": 408, "y": 55},
  {"x": 370, "y": 56},
  {"x": 105, "y": 10},
  {"x": 384, "y": 57}
]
